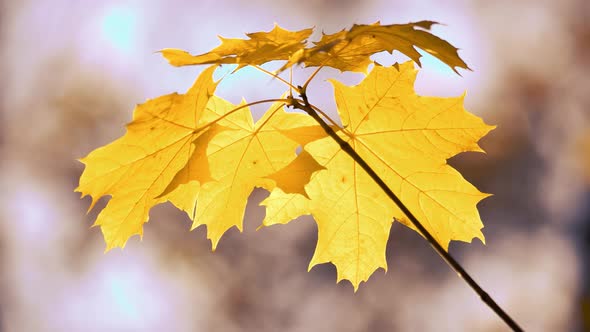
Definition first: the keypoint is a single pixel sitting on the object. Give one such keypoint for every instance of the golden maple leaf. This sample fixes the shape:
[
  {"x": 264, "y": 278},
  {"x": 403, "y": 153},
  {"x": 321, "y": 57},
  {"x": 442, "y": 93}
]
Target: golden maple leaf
[
  {"x": 350, "y": 50},
  {"x": 240, "y": 159},
  {"x": 406, "y": 139},
  {"x": 262, "y": 47},
  {"x": 137, "y": 167}
]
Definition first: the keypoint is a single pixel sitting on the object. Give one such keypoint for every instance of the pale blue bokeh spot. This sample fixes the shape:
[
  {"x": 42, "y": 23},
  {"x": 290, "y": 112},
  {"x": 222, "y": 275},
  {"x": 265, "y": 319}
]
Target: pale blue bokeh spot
[
  {"x": 118, "y": 27},
  {"x": 124, "y": 296}
]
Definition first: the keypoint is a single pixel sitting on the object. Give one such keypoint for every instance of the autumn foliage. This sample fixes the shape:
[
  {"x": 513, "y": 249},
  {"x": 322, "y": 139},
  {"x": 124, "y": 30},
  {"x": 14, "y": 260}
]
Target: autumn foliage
[{"x": 206, "y": 155}]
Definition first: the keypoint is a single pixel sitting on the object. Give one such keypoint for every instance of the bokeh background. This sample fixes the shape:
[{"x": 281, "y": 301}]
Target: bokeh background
[{"x": 72, "y": 71}]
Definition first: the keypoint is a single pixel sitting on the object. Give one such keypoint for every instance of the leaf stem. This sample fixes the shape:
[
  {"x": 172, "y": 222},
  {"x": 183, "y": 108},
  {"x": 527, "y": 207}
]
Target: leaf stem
[
  {"x": 304, "y": 88},
  {"x": 239, "y": 108},
  {"x": 485, "y": 297},
  {"x": 274, "y": 75},
  {"x": 269, "y": 117},
  {"x": 291, "y": 82}
]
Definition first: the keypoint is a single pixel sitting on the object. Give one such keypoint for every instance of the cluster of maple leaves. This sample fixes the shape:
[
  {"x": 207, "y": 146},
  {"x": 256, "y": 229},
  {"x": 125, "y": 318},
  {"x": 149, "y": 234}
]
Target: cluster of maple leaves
[{"x": 206, "y": 155}]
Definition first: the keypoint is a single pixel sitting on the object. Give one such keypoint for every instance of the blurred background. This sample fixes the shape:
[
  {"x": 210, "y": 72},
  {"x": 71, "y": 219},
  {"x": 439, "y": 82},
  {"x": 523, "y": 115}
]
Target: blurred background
[{"x": 72, "y": 71}]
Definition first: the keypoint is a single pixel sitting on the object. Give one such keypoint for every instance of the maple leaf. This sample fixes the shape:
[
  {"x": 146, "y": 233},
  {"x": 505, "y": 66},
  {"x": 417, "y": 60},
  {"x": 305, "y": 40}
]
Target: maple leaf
[
  {"x": 406, "y": 139},
  {"x": 137, "y": 167},
  {"x": 262, "y": 47},
  {"x": 241, "y": 158},
  {"x": 350, "y": 50}
]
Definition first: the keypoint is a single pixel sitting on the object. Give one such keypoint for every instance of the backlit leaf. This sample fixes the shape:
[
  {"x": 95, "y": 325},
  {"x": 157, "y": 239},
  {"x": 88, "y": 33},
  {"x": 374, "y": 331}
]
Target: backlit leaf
[
  {"x": 137, "y": 167},
  {"x": 261, "y": 47},
  {"x": 407, "y": 139},
  {"x": 239, "y": 159},
  {"x": 350, "y": 50}
]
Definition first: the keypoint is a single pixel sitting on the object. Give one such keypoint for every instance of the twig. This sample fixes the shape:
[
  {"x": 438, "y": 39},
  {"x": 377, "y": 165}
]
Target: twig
[{"x": 342, "y": 130}]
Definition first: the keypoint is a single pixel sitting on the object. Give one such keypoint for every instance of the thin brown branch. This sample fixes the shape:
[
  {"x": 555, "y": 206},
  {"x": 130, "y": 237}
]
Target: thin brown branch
[{"x": 343, "y": 130}]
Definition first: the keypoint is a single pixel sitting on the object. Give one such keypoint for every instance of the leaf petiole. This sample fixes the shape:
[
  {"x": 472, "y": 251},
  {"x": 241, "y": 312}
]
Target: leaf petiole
[
  {"x": 274, "y": 75},
  {"x": 304, "y": 88},
  {"x": 198, "y": 129}
]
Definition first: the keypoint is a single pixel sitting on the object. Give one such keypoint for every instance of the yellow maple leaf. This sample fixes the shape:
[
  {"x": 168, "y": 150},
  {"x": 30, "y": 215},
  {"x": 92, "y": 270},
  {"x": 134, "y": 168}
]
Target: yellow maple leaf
[
  {"x": 262, "y": 47},
  {"x": 137, "y": 167},
  {"x": 406, "y": 139},
  {"x": 240, "y": 159},
  {"x": 350, "y": 50}
]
